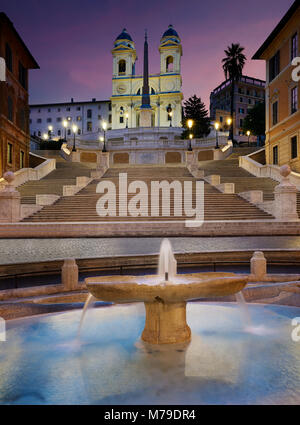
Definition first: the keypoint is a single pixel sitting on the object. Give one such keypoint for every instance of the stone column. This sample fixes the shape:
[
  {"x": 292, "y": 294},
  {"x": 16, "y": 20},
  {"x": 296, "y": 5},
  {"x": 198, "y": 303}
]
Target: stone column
[
  {"x": 285, "y": 204},
  {"x": 10, "y": 201},
  {"x": 69, "y": 274},
  {"x": 104, "y": 159},
  {"x": 258, "y": 266}
]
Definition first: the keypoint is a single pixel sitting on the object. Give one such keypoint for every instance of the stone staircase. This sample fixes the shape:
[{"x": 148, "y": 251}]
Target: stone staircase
[
  {"x": 82, "y": 206},
  {"x": 65, "y": 174}
]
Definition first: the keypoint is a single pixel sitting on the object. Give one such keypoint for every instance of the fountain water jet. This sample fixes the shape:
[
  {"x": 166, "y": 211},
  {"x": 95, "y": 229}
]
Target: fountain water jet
[{"x": 165, "y": 304}]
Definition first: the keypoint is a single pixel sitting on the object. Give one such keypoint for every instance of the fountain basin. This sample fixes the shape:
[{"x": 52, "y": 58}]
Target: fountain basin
[{"x": 165, "y": 302}]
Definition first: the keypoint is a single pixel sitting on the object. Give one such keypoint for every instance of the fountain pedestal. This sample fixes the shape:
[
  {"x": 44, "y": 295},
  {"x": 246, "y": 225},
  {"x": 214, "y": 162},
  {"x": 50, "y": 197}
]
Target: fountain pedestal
[
  {"x": 165, "y": 302},
  {"x": 166, "y": 323}
]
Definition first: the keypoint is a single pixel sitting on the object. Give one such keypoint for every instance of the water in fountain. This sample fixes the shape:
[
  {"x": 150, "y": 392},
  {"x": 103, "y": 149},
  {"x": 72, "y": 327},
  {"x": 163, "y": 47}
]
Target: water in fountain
[
  {"x": 89, "y": 302},
  {"x": 240, "y": 299},
  {"x": 249, "y": 326},
  {"x": 167, "y": 266}
]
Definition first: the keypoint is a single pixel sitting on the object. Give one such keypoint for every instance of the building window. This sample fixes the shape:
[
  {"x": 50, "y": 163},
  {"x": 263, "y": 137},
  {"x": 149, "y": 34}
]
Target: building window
[
  {"x": 241, "y": 100},
  {"x": 122, "y": 67},
  {"x": 109, "y": 106},
  {"x": 10, "y": 109},
  {"x": 99, "y": 117},
  {"x": 89, "y": 126},
  {"x": 22, "y": 119},
  {"x": 49, "y": 109},
  {"x": 78, "y": 118},
  {"x": 69, "y": 132},
  {"x": 23, "y": 76},
  {"x": 78, "y": 108},
  {"x": 58, "y": 132},
  {"x": 89, "y": 113},
  {"x": 241, "y": 110},
  {"x": 294, "y": 147},
  {"x": 68, "y": 109},
  {"x": 221, "y": 119},
  {"x": 58, "y": 119},
  {"x": 294, "y": 99},
  {"x": 241, "y": 122},
  {"x": 79, "y": 131},
  {"x": 9, "y": 153},
  {"x": 109, "y": 118},
  {"x": 274, "y": 66},
  {"x": 8, "y": 58},
  {"x": 39, "y": 120},
  {"x": 249, "y": 101},
  {"x": 275, "y": 113},
  {"x": 22, "y": 159},
  {"x": 58, "y": 109},
  {"x": 275, "y": 155},
  {"x": 294, "y": 46},
  {"x": 169, "y": 64},
  {"x": 39, "y": 133},
  {"x": 121, "y": 120},
  {"x": 49, "y": 119}
]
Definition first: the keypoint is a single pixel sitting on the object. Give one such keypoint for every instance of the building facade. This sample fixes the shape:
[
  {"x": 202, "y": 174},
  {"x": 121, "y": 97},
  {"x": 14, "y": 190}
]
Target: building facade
[
  {"x": 282, "y": 92},
  {"x": 14, "y": 109},
  {"x": 87, "y": 116},
  {"x": 248, "y": 92},
  {"x": 165, "y": 87}
]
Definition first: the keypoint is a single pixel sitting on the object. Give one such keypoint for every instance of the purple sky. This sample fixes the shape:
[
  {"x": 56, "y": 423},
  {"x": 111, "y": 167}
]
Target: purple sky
[{"x": 72, "y": 39}]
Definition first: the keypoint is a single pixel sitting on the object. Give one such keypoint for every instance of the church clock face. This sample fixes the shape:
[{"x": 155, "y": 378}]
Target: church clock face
[{"x": 121, "y": 89}]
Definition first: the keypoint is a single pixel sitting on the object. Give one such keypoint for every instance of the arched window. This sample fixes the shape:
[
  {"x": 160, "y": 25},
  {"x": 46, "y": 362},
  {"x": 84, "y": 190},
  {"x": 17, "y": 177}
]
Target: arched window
[
  {"x": 10, "y": 109},
  {"x": 138, "y": 92},
  {"x": 169, "y": 112},
  {"x": 122, "y": 67},
  {"x": 169, "y": 64}
]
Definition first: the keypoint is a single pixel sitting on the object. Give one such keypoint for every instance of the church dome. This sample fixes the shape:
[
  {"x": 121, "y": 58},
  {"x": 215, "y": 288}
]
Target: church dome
[
  {"x": 124, "y": 36},
  {"x": 170, "y": 32}
]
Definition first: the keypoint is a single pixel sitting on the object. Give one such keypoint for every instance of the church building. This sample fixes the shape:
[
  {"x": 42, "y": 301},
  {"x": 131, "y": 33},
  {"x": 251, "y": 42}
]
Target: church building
[{"x": 164, "y": 88}]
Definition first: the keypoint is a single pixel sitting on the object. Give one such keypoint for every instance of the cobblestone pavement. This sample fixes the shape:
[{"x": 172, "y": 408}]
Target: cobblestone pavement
[{"x": 14, "y": 251}]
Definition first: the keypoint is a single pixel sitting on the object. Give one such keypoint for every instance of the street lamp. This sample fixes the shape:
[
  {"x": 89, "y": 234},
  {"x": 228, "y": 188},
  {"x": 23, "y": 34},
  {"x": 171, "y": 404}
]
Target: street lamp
[
  {"x": 190, "y": 142},
  {"x": 126, "y": 116},
  {"x": 170, "y": 115},
  {"x": 45, "y": 136},
  {"x": 101, "y": 139},
  {"x": 50, "y": 128},
  {"x": 190, "y": 124},
  {"x": 248, "y": 134},
  {"x": 65, "y": 124},
  {"x": 217, "y": 125},
  {"x": 104, "y": 127},
  {"x": 74, "y": 128},
  {"x": 229, "y": 121}
]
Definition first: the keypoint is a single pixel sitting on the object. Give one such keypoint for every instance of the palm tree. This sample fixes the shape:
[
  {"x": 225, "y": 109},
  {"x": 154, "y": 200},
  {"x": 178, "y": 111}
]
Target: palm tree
[{"x": 233, "y": 65}]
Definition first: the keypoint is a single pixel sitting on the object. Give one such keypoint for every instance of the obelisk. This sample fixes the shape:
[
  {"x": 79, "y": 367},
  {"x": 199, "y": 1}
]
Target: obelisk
[{"x": 146, "y": 112}]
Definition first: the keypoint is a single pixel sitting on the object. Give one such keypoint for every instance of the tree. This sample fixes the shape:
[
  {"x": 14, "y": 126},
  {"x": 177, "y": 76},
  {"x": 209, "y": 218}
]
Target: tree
[
  {"x": 255, "y": 120},
  {"x": 233, "y": 64},
  {"x": 194, "y": 108}
]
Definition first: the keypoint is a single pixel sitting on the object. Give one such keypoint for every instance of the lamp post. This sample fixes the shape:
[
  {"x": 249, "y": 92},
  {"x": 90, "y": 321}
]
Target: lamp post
[
  {"x": 217, "y": 125},
  {"x": 45, "y": 136},
  {"x": 65, "y": 124},
  {"x": 126, "y": 116},
  {"x": 229, "y": 121},
  {"x": 190, "y": 124},
  {"x": 104, "y": 127},
  {"x": 50, "y": 128},
  {"x": 74, "y": 128},
  {"x": 170, "y": 115},
  {"x": 101, "y": 139},
  {"x": 248, "y": 134}
]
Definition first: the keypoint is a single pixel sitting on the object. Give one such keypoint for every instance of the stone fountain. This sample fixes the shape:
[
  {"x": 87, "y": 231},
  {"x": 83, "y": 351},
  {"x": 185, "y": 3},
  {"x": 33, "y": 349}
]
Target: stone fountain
[{"x": 165, "y": 295}]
